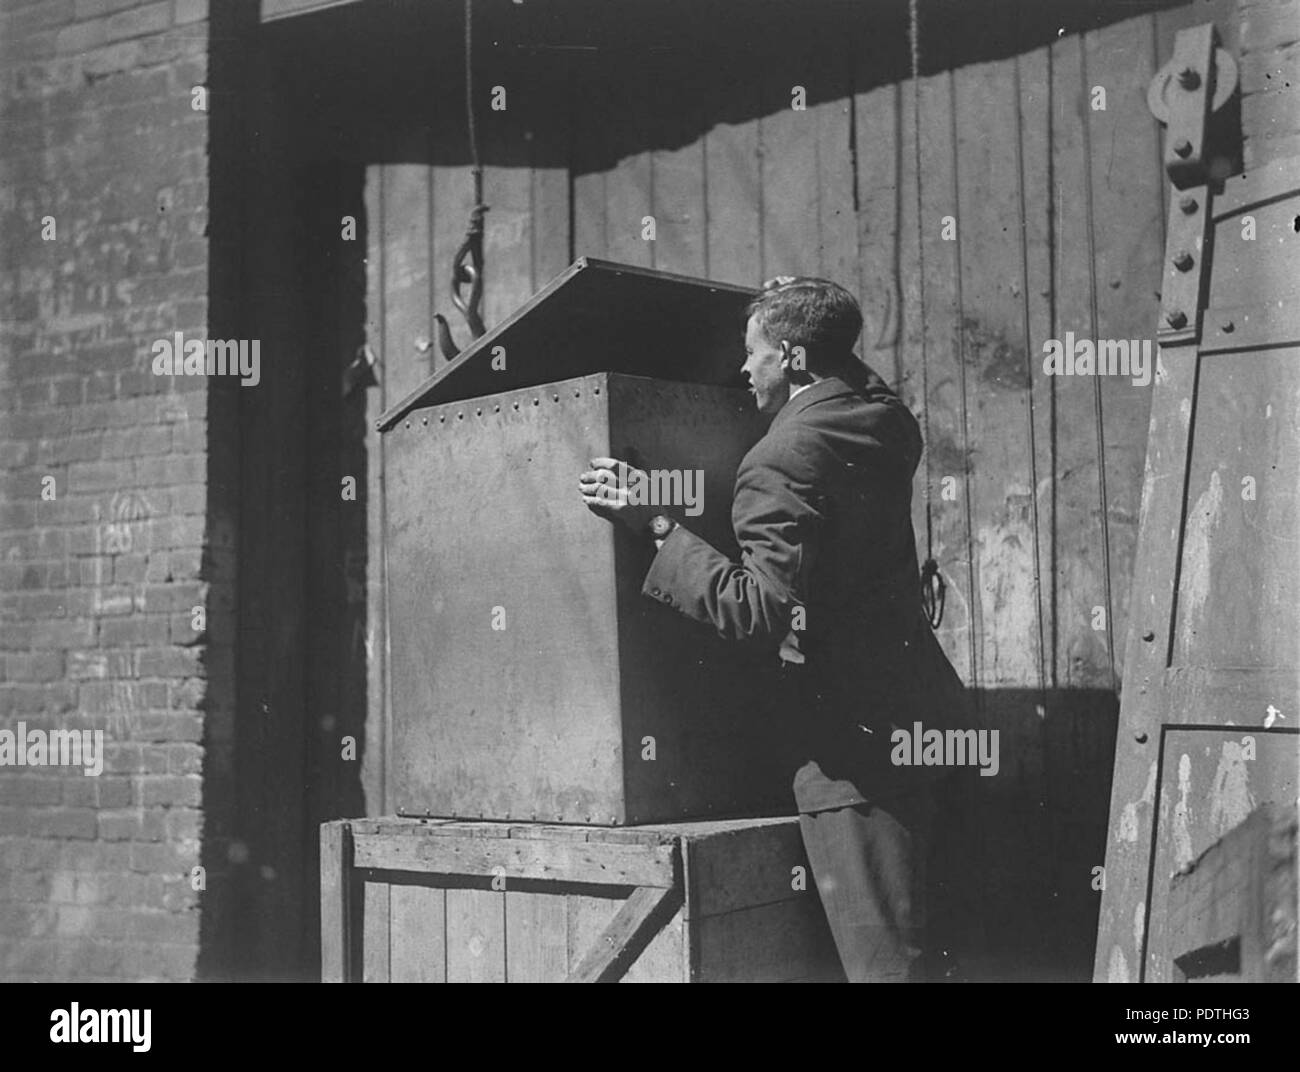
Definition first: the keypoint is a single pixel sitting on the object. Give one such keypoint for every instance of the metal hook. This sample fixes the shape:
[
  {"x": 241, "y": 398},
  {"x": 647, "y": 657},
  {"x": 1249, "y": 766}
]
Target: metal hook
[{"x": 467, "y": 267}]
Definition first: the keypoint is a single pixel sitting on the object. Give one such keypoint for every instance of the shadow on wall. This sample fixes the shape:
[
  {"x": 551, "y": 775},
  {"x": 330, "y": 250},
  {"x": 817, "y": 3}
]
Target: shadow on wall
[
  {"x": 1018, "y": 853},
  {"x": 287, "y": 641}
]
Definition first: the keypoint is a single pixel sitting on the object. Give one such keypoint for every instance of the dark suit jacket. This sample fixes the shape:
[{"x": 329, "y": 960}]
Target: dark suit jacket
[{"x": 822, "y": 515}]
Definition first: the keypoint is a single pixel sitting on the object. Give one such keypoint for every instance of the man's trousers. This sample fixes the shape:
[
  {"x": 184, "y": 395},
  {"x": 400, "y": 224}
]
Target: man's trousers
[{"x": 870, "y": 863}]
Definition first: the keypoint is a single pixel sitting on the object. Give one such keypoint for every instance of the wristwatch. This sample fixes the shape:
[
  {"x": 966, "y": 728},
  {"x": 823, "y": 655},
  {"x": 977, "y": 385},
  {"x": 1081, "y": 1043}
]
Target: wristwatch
[{"x": 661, "y": 525}]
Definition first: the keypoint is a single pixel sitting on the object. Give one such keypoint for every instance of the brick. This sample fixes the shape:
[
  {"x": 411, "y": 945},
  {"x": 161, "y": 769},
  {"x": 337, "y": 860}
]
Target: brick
[
  {"x": 69, "y": 633},
  {"x": 163, "y": 598},
  {"x": 187, "y": 11},
  {"x": 171, "y": 791},
  {"x": 80, "y": 792},
  {"x": 139, "y": 21},
  {"x": 113, "y": 792},
  {"x": 135, "y": 631},
  {"x": 129, "y": 569},
  {"x": 13, "y": 821},
  {"x": 96, "y": 476},
  {"x": 161, "y": 859},
  {"x": 81, "y": 37},
  {"x": 173, "y": 726},
  {"x": 38, "y": 666},
  {"x": 169, "y": 662},
  {"x": 30, "y": 790},
  {"x": 172, "y": 469},
  {"x": 65, "y": 823}
]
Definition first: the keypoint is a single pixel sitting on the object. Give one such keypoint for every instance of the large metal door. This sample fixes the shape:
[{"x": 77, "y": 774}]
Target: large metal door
[{"x": 1211, "y": 700}]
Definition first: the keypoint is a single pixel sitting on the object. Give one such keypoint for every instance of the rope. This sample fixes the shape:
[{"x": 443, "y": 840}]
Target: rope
[
  {"x": 1096, "y": 379},
  {"x": 933, "y": 588},
  {"x": 469, "y": 102}
]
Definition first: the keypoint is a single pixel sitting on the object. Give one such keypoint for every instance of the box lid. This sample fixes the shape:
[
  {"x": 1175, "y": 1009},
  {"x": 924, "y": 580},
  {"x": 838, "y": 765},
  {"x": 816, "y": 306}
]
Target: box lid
[{"x": 598, "y": 316}]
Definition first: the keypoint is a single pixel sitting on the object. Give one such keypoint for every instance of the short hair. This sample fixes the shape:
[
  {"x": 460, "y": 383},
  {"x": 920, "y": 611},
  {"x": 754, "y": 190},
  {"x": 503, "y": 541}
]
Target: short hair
[{"x": 821, "y": 316}]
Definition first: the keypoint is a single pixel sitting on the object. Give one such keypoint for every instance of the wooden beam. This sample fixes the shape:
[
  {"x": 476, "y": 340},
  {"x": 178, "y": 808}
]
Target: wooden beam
[
  {"x": 615, "y": 865},
  {"x": 642, "y": 916},
  {"x": 335, "y": 914}
]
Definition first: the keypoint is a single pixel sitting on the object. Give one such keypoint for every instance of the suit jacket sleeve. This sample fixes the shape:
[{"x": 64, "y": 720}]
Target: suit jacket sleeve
[{"x": 777, "y": 519}]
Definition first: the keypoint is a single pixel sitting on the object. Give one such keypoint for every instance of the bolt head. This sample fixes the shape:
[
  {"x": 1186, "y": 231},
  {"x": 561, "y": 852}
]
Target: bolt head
[
  {"x": 1227, "y": 327},
  {"x": 1188, "y": 204},
  {"x": 1189, "y": 78},
  {"x": 1183, "y": 147},
  {"x": 1176, "y": 318},
  {"x": 1183, "y": 260}
]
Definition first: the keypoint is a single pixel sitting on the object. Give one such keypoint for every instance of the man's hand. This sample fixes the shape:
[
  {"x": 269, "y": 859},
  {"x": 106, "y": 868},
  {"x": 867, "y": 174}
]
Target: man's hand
[{"x": 605, "y": 489}]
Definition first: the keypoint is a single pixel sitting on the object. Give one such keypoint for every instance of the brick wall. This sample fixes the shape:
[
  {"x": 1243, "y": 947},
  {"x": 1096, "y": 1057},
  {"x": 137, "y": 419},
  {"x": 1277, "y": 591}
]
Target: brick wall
[
  {"x": 99, "y": 582},
  {"x": 1270, "y": 79}
]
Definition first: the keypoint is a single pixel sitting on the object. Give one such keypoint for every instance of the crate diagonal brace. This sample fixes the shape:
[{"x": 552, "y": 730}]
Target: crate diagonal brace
[{"x": 642, "y": 916}]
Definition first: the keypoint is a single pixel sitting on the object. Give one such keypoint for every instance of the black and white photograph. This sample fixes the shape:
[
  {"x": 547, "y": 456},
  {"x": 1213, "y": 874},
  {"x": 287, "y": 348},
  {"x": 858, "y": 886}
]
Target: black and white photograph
[{"x": 727, "y": 491}]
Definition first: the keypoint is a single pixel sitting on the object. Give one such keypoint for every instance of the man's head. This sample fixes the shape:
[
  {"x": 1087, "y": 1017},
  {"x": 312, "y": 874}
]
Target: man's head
[{"x": 799, "y": 330}]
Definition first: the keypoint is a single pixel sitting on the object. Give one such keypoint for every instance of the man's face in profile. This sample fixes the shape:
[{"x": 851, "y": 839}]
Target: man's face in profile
[{"x": 765, "y": 368}]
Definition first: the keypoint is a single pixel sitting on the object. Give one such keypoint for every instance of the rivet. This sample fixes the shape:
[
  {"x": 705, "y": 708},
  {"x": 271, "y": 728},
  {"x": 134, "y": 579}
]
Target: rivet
[
  {"x": 442, "y": 419},
  {"x": 516, "y": 405},
  {"x": 597, "y": 390},
  {"x": 1189, "y": 78},
  {"x": 555, "y": 398},
  {"x": 460, "y": 416},
  {"x": 1183, "y": 147},
  {"x": 536, "y": 401},
  {"x": 1183, "y": 261},
  {"x": 1228, "y": 327},
  {"x": 408, "y": 424},
  {"x": 424, "y": 420},
  {"x": 1176, "y": 318},
  {"x": 1141, "y": 738},
  {"x": 1188, "y": 204},
  {"x": 496, "y": 409},
  {"x": 1149, "y": 636},
  {"x": 577, "y": 394},
  {"x": 478, "y": 412}
]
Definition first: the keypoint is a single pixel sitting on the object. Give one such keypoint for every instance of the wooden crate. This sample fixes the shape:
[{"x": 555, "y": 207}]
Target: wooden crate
[{"x": 410, "y": 900}]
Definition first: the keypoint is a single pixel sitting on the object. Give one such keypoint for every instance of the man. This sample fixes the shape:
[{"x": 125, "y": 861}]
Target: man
[{"x": 828, "y": 580}]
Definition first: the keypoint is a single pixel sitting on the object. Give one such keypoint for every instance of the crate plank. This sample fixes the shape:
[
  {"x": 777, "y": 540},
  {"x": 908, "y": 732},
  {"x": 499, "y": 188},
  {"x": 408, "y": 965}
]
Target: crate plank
[
  {"x": 375, "y": 933},
  {"x": 476, "y": 936},
  {"x": 662, "y": 960},
  {"x": 587, "y": 917},
  {"x": 623, "y": 939},
  {"x": 536, "y": 937},
  {"x": 418, "y": 937},
  {"x": 749, "y": 866},
  {"x": 335, "y": 877},
  {"x": 767, "y": 943},
  {"x": 622, "y": 865}
]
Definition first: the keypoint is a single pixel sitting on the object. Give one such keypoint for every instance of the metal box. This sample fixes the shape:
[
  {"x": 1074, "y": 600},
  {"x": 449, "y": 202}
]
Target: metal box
[{"x": 530, "y": 679}]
